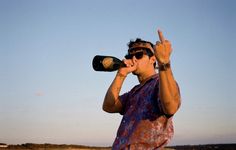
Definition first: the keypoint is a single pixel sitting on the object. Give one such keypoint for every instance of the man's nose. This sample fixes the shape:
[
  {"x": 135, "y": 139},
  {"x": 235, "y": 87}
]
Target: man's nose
[{"x": 134, "y": 59}]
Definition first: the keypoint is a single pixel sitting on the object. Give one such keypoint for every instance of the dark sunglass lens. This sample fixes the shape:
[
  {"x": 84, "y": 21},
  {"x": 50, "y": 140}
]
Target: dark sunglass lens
[
  {"x": 139, "y": 55},
  {"x": 128, "y": 56}
]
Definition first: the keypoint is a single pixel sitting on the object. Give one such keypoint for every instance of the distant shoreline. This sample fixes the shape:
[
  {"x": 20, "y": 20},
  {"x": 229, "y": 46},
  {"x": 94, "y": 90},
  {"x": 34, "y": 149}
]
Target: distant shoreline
[
  {"x": 30, "y": 146},
  {"x": 46, "y": 146}
]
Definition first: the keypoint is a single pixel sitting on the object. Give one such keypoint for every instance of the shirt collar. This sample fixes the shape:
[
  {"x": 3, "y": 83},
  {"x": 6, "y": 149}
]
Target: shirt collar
[{"x": 155, "y": 76}]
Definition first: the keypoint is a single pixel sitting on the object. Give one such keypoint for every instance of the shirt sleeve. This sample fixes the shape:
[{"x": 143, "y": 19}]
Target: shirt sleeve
[{"x": 123, "y": 99}]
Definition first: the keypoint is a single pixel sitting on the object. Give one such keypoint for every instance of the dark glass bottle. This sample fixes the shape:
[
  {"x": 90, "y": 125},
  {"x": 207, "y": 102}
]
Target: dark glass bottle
[{"x": 107, "y": 63}]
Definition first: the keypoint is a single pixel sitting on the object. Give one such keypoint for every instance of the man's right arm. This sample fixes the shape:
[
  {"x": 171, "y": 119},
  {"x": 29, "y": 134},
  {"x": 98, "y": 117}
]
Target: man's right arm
[{"x": 111, "y": 102}]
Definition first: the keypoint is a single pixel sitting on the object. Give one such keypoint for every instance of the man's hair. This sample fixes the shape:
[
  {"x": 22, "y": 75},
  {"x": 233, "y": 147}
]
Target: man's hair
[
  {"x": 138, "y": 40},
  {"x": 132, "y": 43}
]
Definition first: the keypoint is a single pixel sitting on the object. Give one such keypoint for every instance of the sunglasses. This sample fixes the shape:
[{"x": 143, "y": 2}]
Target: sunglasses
[{"x": 138, "y": 54}]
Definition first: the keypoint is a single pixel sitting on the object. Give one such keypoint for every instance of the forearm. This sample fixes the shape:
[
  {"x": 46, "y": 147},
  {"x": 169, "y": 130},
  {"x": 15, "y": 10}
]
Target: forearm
[
  {"x": 169, "y": 92},
  {"x": 110, "y": 103}
]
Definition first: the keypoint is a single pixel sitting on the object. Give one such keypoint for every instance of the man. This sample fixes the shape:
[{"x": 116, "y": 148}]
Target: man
[{"x": 149, "y": 107}]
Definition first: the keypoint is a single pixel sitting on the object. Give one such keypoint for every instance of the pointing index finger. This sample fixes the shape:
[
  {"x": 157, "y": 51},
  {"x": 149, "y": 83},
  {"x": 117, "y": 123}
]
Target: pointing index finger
[{"x": 161, "y": 37}]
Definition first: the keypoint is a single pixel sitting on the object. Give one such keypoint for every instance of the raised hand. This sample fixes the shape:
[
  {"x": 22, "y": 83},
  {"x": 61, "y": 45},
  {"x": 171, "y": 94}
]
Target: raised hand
[{"x": 162, "y": 49}]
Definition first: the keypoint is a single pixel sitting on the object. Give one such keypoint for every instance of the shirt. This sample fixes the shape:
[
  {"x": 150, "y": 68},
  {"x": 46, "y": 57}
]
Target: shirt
[{"x": 143, "y": 122}]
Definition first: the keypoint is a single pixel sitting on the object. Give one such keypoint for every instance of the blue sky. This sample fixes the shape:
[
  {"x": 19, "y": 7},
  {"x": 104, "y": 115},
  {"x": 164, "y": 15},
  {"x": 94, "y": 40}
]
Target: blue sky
[{"x": 51, "y": 94}]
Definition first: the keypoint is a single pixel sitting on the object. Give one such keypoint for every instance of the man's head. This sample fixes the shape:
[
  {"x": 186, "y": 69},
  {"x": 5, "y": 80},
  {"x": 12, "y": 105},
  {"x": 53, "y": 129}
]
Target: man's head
[
  {"x": 139, "y": 43},
  {"x": 143, "y": 52},
  {"x": 138, "y": 48}
]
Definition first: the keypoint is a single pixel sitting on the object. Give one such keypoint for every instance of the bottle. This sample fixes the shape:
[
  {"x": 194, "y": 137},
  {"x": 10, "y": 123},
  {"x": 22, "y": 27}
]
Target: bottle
[{"x": 107, "y": 63}]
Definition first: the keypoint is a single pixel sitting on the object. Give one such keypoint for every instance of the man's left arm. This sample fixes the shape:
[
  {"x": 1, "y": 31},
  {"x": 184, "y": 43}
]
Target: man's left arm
[
  {"x": 168, "y": 91},
  {"x": 168, "y": 88}
]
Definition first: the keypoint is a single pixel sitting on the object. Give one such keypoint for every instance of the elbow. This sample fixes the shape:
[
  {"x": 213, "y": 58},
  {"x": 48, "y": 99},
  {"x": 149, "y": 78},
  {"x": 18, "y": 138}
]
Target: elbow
[
  {"x": 111, "y": 108},
  {"x": 107, "y": 108},
  {"x": 171, "y": 108},
  {"x": 170, "y": 111}
]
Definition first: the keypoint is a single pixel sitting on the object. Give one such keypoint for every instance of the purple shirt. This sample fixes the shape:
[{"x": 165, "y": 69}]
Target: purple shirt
[{"x": 144, "y": 125}]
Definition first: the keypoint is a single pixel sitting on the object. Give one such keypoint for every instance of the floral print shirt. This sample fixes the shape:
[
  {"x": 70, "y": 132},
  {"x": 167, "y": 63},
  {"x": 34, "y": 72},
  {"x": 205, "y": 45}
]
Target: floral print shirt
[{"x": 144, "y": 124}]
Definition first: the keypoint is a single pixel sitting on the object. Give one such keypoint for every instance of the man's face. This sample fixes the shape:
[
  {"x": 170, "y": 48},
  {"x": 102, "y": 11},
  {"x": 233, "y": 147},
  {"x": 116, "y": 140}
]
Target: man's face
[{"x": 143, "y": 60}]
